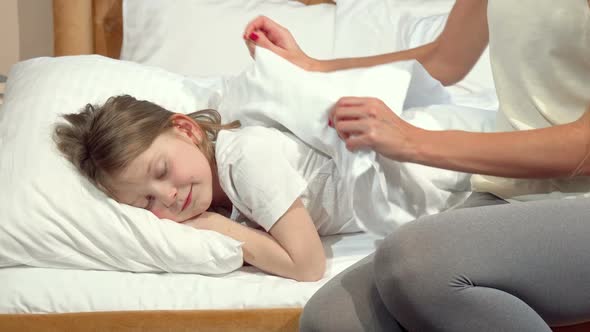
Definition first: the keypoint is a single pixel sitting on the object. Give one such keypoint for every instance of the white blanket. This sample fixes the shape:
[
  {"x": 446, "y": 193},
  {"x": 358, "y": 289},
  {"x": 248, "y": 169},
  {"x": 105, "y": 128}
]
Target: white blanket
[{"x": 386, "y": 194}]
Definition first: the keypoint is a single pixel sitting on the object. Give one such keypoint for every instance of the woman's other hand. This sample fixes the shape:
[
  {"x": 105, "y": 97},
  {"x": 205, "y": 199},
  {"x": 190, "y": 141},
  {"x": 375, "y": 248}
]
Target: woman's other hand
[
  {"x": 264, "y": 32},
  {"x": 367, "y": 123}
]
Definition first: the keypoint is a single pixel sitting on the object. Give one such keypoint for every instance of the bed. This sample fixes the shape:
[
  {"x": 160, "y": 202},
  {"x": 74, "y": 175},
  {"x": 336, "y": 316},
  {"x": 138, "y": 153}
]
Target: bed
[
  {"x": 244, "y": 300},
  {"x": 116, "y": 301},
  {"x": 95, "y": 27}
]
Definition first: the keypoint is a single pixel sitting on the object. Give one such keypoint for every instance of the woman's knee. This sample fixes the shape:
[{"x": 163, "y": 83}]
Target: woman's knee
[
  {"x": 407, "y": 265},
  {"x": 348, "y": 302},
  {"x": 311, "y": 319}
]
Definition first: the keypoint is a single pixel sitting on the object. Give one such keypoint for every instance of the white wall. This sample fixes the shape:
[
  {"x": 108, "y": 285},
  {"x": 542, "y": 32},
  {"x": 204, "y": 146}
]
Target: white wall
[
  {"x": 26, "y": 31},
  {"x": 9, "y": 40},
  {"x": 35, "y": 19}
]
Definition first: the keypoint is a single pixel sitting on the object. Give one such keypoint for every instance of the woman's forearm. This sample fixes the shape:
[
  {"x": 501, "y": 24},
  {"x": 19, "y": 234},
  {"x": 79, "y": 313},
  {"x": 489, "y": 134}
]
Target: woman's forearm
[
  {"x": 541, "y": 153},
  {"x": 449, "y": 58},
  {"x": 418, "y": 53}
]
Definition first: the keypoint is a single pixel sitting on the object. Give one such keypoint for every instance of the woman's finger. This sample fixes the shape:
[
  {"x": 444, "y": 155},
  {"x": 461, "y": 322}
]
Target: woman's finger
[
  {"x": 259, "y": 23},
  {"x": 251, "y": 47},
  {"x": 357, "y": 142},
  {"x": 341, "y": 106},
  {"x": 344, "y": 113},
  {"x": 273, "y": 31},
  {"x": 263, "y": 41},
  {"x": 351, "y": 127},
  {"x": 348, "y": 113},
  {"x": 370, "y": 104},
  {"x": 352, "y": 101}
]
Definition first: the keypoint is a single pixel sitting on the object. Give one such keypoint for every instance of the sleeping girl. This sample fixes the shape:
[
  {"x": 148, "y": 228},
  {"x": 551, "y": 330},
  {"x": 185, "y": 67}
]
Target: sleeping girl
[{"x": 194, "y": 170}]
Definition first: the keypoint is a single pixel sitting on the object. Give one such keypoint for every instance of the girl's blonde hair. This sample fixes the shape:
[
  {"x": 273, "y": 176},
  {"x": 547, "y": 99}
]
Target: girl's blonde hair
[{"x": 102, "y": 140}]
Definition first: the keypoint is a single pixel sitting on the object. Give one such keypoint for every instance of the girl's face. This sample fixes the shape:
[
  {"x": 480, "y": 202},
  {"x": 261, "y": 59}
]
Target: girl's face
[{"x": 172, "y": 178}]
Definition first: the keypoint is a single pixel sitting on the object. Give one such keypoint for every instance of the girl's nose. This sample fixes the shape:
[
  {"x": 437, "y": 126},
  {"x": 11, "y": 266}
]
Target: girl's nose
[{"x": 168, "y": 196}]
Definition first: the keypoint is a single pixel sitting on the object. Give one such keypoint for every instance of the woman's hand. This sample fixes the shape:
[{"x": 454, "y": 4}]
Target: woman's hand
[
  {"x": 369, "y": 123},
  {"x": 264, "y": 32}
]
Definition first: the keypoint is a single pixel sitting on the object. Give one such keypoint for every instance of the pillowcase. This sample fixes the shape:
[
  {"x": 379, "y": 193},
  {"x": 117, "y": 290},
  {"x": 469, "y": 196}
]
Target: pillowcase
[
  {"x": 395, "y": 25},
  {"x": 276, "y": 93},
  {"x": 50, "y": 216},
  {"x": 383, "y": 29},
  {"x": 204, "y": 37}
]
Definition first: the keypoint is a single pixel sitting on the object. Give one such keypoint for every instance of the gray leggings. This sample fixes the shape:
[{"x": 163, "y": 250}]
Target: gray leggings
[{"x": 511, "y": 267}]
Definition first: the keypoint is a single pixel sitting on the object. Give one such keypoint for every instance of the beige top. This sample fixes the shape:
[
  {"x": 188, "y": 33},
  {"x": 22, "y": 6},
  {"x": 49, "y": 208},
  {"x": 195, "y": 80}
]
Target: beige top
[{"x": 540, "y": 54}]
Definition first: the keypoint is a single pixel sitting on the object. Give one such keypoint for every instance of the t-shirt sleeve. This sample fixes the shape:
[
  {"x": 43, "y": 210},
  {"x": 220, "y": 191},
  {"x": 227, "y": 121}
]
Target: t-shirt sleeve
[{"x": 264, "y": 181}]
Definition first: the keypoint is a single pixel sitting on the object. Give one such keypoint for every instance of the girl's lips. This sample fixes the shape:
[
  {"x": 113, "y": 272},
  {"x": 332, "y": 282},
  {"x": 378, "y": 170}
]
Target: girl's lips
[{"x": 188, "y": 199}]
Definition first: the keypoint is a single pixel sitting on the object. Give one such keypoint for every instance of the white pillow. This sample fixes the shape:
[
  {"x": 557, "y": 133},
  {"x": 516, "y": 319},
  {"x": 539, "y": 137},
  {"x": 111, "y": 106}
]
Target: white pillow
[
  {"x": 50, "y": 216},
  {"x": 204, "y": 37},
  {"x": 477, "y": 89},
  {"x": 277, "y": 93},
  {"x": 394, "y": 25},
  {"x": 383, "y": 27}
]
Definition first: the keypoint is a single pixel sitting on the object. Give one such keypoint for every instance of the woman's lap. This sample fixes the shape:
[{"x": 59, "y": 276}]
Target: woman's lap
[
  {"x": 490, "y": 268},
  {"x": 469, "y": 269}
]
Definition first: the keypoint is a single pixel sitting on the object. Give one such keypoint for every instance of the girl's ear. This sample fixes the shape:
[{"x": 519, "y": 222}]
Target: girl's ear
[{"x": 187, "y": 126}]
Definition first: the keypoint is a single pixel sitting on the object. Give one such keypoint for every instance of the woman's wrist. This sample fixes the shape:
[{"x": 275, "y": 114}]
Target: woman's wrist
[
  {"x": 326, "y": 65},
  {"x": 311, "y": 64},
  {"x": 419, "y": 146}
]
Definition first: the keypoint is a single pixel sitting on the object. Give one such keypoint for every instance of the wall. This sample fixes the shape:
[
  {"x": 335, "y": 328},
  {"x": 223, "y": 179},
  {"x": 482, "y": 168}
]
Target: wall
[
  {"x": 26, "y": 30},
  {"x": 36, "y": 28},
  {"x": 9, "y": 43}
]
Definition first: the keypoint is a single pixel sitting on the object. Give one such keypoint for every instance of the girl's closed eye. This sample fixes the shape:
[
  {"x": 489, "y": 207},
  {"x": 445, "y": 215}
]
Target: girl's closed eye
[{"x": 164, "y": 171}]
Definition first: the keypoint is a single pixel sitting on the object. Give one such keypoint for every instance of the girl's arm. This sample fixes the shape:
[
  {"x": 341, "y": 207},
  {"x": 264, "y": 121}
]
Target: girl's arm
[
  {"x": 291, "y": 249},
  {"x": 448, "y": 59}
]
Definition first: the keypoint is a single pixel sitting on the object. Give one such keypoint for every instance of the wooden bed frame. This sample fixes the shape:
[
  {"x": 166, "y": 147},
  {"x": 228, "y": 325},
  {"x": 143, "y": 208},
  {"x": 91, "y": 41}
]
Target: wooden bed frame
[{"x": 96, "y": 27}]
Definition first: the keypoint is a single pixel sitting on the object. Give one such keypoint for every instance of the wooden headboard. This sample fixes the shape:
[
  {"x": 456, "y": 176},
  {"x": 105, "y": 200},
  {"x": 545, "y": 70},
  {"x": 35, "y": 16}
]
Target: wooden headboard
[{"x": 95, "y": 26}]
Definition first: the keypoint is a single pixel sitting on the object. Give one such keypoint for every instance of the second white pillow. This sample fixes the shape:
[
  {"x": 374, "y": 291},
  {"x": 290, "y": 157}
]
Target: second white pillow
[{"x": 204, "y": 37}]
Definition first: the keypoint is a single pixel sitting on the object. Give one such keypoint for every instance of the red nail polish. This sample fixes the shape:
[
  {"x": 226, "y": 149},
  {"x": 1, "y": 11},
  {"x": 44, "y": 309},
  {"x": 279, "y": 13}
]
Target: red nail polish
[
  {"x": 330, "y": 122},
  {"x": 253, "y": 36}
]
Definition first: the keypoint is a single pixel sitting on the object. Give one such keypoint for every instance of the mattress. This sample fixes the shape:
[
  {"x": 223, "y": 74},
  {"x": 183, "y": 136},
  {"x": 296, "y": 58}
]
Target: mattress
[{"x": 41, "y": 290}]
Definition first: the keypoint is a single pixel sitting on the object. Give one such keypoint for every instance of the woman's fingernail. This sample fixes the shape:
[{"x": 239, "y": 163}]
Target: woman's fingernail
[
  {"x": 330, "y": 122},
  {"x": 253, "y": 36}
]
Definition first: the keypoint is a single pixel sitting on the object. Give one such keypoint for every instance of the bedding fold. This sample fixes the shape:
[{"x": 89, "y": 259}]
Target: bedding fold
[{"x": 385, "y": 194}]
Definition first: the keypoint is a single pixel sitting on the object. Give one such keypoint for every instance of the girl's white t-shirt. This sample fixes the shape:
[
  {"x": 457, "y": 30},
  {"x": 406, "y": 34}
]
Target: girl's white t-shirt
[
  {"x": 540, "y": 55},
  {"x": 264, "y": 170}
]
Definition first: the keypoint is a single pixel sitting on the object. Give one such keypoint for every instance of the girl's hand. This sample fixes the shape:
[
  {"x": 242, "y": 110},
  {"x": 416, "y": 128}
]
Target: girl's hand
[
  {"x": 264, "y": 32},
  {"x": 369, "y": 123},
  {"x": 207, "y": 220}
]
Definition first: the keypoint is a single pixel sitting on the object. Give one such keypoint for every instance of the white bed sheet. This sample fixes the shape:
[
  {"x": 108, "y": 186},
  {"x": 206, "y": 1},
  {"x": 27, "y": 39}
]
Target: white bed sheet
[{"x": 40, "y": 290}]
